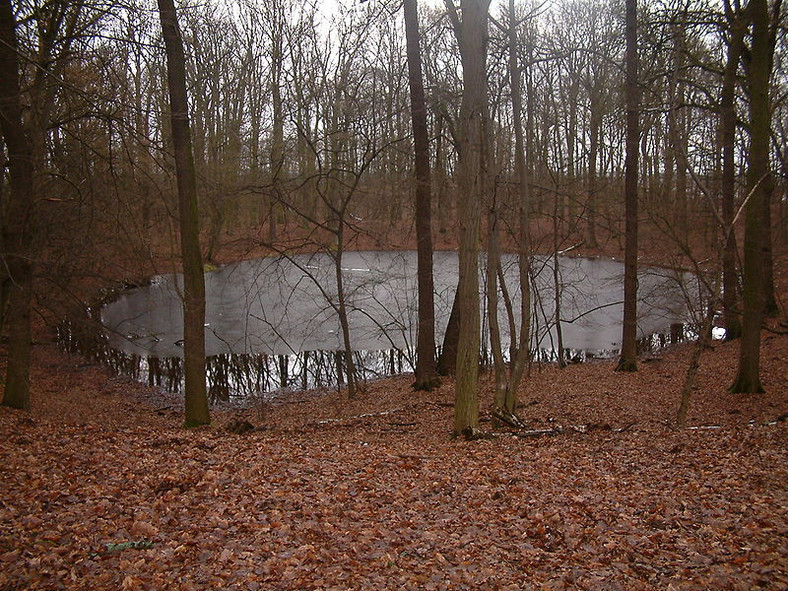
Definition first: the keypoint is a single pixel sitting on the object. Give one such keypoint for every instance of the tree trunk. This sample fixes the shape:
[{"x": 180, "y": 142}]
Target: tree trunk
[
  {"x": 344, "y": 324},
  {"x": 759, "y": 184},
  {"x": 472, "y": 37},
  {"x": 193, "y": 280},
  {"x": 447, "y": 362},
  {"x": 593, "y": 153},
  {"x": 628, "y": 359},
  {"x": 426, "y": 374},
  {"x": 677, "y": 132},
  {"x": 493, "y": 270},
  {"x": 18, "y": 226},
  {"x": 277, "y": 133},
  {"x": 694, "y": 365},
  {"x": 557, "y": 288},
  {"x": 771, "y": 308},
  {"x": 506, "y": 392},
  {"x": 730, "y": 278}
]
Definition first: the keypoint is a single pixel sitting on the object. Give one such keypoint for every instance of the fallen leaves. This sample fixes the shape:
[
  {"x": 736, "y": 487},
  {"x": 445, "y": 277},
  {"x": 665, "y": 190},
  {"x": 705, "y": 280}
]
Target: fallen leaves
[
  {"x": 373, "y": 493},
  {"x": 144, "y": 529}
]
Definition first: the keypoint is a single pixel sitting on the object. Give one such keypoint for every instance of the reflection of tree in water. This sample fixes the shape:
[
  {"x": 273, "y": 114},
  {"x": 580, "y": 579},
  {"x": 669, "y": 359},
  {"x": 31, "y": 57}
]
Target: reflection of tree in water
[
  {"x": 232, "y": 375},
  {"x": 271, "y": 327}
]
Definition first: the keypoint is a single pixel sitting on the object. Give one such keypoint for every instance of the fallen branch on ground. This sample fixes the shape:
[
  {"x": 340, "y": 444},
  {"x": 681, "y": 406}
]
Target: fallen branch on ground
[
  {"x": 507, "y": 418},
  {"x": 560, "y": 430},
  {"x": 364, "y": 416}
]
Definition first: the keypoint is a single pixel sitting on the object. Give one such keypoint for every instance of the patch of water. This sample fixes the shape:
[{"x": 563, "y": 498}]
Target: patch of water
[{"x": 272, "y": 323}]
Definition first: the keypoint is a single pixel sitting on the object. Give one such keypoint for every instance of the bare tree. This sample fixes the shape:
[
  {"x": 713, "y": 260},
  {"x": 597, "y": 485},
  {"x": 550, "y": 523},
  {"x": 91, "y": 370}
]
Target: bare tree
[
  {"x": 342, "y": 145},
  {"x": 218, "y": 70},
  {"x": 508, "y": 377},
  {"x": 194, "y": 282},
  {"x": 426, "y": 374},
  {"x": 33, "y": 65},
  {"x": 275, "y": 15},
  {"x": 759, "y": 183},
  {"x": 474, "y": 184},
  {"x": 17, "y": 230},
  {"x": 628, "y": 359},
  {"x": 737, "y": 24}
]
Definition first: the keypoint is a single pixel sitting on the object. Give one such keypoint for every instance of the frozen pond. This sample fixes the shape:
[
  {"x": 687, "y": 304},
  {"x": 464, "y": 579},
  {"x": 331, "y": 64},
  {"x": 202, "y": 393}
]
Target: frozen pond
[{"x": 282, "y": 307}]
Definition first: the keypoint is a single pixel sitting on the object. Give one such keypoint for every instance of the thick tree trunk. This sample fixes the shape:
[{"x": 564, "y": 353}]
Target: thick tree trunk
[
  {"x": 18, "y": 226},
  {"x": 472, "y": 37},
  {"x": 628, "y": 359},
  {"x": 426, "y": 373},
  {"x": 759, "y": 184},
  {"x": 193, "y": 279}
]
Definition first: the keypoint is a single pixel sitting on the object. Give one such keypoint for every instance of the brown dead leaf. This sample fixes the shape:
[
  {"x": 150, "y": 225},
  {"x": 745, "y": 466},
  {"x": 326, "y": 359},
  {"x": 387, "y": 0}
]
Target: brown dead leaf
[
  {"x": 144, "y": 529},
  {"x": 131, "y": 583}
]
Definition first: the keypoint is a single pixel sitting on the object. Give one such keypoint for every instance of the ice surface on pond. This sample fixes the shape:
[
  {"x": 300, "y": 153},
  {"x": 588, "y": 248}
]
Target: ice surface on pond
[{"x": 283, "y": 306}]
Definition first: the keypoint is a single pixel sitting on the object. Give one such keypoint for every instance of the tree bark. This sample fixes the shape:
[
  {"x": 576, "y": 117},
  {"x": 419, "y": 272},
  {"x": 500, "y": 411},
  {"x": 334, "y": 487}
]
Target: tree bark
[
  {"x": 472, "y": 38},
  {"x": 447, "y": 361},
  {"x": 426, "y": 374},
  {"x": 18, "y": 226},
  {"x": 493, "y": 270},
  {"x": 730, "y": 278},
  {"x": 508, "y": 382},
  {"x": 770, "y": 307},
  {"x": 341, "y": 307},
  {"x": 759, "y": 184},
  {"x": 193, "y": 279},
  {"x": 277, "y": 107},
  {"x": 628, "y": 359},
  {"x": 593, "y": 154}
]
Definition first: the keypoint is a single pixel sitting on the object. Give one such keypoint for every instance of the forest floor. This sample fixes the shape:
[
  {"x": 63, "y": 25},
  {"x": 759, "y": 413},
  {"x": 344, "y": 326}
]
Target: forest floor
[{"x": 101, "y": 487}]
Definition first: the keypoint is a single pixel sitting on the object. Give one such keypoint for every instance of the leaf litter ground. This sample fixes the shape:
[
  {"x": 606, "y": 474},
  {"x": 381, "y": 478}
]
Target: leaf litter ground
[{"x": 100, "y": 488}]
